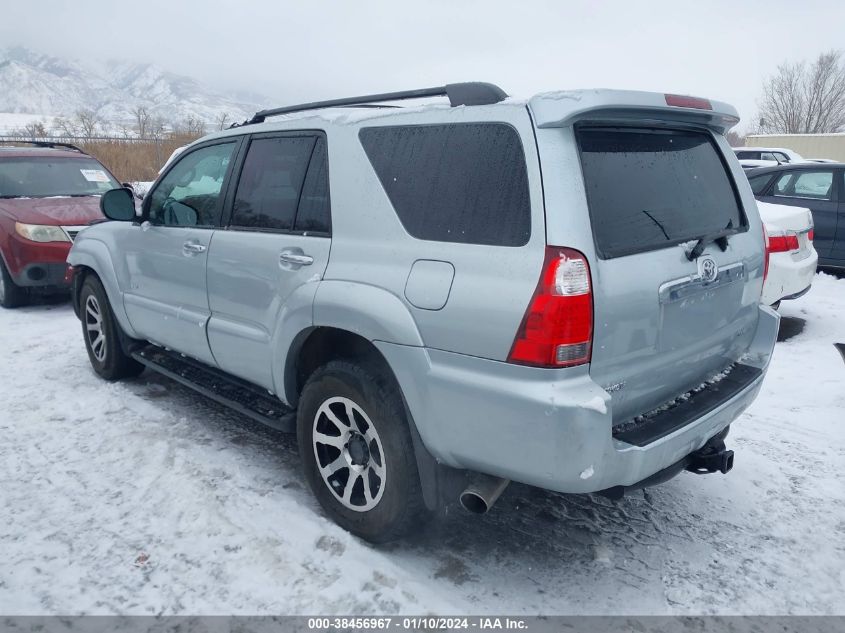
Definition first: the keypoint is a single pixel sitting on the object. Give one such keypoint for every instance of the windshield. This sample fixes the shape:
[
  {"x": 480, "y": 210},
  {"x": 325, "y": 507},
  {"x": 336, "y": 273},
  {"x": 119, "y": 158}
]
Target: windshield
[
  {"x": 41, "y": 177},
  {"x": 651, "y": 188}
]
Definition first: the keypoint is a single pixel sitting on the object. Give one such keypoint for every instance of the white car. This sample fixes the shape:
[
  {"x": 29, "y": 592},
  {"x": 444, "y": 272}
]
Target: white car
[
  {"x": 792, "y": 259},
  {"x": 754, "y": 157}
]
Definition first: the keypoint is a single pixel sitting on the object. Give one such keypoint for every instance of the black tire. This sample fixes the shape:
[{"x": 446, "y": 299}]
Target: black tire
[
  {"x": 108, "y": 359},
  {"x": 400, "y": 508},
  {"x": 11, "y": 294}
]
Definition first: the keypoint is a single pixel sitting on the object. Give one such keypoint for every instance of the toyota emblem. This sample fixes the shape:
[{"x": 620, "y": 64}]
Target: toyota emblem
[{"x": 708, "y": 269}]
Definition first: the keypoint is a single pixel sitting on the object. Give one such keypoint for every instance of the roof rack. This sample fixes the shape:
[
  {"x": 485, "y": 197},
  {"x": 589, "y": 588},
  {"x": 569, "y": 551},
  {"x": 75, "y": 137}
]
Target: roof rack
[
  {"x": 469, "y": 93},
  {"x": 51, "y": 144}
]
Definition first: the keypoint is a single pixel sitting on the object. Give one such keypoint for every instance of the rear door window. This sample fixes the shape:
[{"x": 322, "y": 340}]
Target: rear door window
[
  {"x": 463, "y": 182},
  {"x": 652, "y": 188},
  {"x": 314, "y": 215},
  {"x": 817, "y": 185},
  {"x": 271, "y": 182}
]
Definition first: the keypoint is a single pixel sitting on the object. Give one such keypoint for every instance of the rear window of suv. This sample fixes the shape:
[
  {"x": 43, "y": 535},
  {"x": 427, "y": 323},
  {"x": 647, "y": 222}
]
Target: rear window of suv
[
  {"x": 463, "y": 182},
  {"x": 652, "y": 188}
]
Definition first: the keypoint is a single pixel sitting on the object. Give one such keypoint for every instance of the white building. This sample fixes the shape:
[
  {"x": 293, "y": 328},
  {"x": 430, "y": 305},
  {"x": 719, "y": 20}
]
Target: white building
[{"x": 831, "y": 146}]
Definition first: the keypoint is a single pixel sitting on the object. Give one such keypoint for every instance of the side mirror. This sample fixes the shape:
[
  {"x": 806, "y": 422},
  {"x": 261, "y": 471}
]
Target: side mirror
[{"x": 118, "y": 204}]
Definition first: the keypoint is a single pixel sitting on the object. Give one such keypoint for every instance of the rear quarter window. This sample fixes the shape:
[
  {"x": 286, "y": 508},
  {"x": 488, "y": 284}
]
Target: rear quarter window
[
  {"x": 652, "y": 188},
  {"x": 464, "y": 182}
]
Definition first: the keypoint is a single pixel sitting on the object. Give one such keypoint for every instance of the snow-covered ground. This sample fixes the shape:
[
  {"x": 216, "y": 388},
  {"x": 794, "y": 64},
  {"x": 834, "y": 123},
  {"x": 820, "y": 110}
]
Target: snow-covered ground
[{"x": 142, "y": 497}]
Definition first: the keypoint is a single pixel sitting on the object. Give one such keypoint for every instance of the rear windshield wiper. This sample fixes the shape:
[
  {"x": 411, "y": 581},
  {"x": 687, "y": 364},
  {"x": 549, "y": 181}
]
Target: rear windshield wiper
[{"x": 720, "y": 238}]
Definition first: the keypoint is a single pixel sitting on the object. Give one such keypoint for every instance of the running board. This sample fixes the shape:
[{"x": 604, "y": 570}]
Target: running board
[{"x": 237, "y": 394}]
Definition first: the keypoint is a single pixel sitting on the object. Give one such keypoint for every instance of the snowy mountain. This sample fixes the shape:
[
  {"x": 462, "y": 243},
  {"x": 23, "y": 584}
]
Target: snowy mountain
[{"x": 39, "y": 84}]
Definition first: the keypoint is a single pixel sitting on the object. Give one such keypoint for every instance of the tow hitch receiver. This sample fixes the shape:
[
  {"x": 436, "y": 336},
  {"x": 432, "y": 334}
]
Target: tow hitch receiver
[{"x": 710, "y": 458}]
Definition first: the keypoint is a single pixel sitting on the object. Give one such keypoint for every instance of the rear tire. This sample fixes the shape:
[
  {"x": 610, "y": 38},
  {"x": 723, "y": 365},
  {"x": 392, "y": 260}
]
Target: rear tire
[
  {"x": 11, "y": 294},
  {"x": 100, "y": 331},
  {"x": 364, "y": 471}
]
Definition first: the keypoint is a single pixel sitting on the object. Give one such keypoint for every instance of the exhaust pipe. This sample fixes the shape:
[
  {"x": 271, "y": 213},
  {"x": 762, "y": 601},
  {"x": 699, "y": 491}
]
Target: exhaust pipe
[{"x": 482, "y": 492}]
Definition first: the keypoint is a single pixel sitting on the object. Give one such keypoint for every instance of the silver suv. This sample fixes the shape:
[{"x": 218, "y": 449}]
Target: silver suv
[{"x": 439, "y": 299}]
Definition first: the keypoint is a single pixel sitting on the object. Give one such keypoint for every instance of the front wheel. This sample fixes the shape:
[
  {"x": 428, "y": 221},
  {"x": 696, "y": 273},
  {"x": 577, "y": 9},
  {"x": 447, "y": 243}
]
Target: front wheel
[
  {"x": 11, "y": 295},
  {"x": 100, "y": 331},
  {"x": 357, "y": 451}
]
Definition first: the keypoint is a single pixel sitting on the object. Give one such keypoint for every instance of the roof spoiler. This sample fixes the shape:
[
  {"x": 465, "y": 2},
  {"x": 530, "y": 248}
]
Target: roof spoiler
[
  {"x": 560, "y": 109},
  {"x": 468, "y": 94}
]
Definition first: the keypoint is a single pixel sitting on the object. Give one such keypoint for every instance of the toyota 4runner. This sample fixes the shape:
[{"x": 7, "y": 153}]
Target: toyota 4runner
[{"x": 439, "y": 299}]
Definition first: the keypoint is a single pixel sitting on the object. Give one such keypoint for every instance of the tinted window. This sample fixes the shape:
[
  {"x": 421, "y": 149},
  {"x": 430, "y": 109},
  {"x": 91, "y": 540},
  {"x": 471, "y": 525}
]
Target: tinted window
[
  {"x": 41, "y": 177},
  {"x": 189, "y": 194},
  {"x": 758, "y": 183},
  {"x": 454, "y": 183},
  {"x": 314, "y": 215},
  {"x": 648, "y": 189},
  {"x": 805, "y": 184},
  {"x": 271, "y": 181},
  {"x": 748, "y": 155}
]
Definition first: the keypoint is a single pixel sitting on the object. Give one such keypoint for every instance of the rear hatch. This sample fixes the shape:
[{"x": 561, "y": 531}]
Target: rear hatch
[{"x": 671, "y": 312}]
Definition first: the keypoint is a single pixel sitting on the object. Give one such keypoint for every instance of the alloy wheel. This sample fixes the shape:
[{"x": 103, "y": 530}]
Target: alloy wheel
[
  {"x": 94, "y": 328},
  {"x": 349, "y": 454}
]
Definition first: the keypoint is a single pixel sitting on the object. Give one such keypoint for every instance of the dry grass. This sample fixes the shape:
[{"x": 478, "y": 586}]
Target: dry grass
[{"x": 134, "y": 160}]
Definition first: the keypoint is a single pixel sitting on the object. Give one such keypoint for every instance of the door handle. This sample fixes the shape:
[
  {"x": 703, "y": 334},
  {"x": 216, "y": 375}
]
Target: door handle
[
  {"x": 192, "y": 247},
  {"x": 295, "y": 259}
]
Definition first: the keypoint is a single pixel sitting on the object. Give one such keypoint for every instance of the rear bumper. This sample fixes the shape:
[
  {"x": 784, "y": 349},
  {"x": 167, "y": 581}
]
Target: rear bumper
[
  {"x": 548, "y": 428},
  {"x": 788, "y": 279}
]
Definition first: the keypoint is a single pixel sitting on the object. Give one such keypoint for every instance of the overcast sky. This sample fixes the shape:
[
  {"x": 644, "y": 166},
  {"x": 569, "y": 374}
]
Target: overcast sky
[{"x": 305, "y": 50}]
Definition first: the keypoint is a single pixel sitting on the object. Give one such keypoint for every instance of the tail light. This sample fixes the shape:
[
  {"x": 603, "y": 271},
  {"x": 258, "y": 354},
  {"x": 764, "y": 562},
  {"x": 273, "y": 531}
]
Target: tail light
[
  {"x": 557, "y": 329},
  {"x": 766, "y": 242},
  {"x": 782, "y": 241},
  {"x": 810, "y": 235},
  {"x": 683, "y": 101}
]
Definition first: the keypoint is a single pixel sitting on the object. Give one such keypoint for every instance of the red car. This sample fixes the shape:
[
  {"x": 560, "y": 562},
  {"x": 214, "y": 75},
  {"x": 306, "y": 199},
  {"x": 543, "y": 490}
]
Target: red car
[{"x": 48, "y": 193}]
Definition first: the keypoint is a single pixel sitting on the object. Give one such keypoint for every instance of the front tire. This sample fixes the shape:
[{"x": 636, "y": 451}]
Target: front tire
[
  {"x": 11, "y": 294},
  {"x": 357, "y": 451},
  {"x": 100, "y": 331}
]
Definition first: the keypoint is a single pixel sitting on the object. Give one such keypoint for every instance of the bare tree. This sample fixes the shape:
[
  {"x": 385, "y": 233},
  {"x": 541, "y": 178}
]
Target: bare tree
[
  {"x": 156, "y": 128},
  {"x": 66, "y": 127},
  {"x": 222, "y": 119},
  {"x": 142, "y": 120},
  {"x": 191, "y": 127},
  {"x": 32, "y": 131},
  {"x": 88, "y": 122},
  {"x": 735, "y": 139},
  {"x": 802, "y": 99}
]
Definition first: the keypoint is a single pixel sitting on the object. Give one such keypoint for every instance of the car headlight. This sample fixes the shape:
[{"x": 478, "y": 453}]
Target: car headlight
[{"x": 41, "y": 233}]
